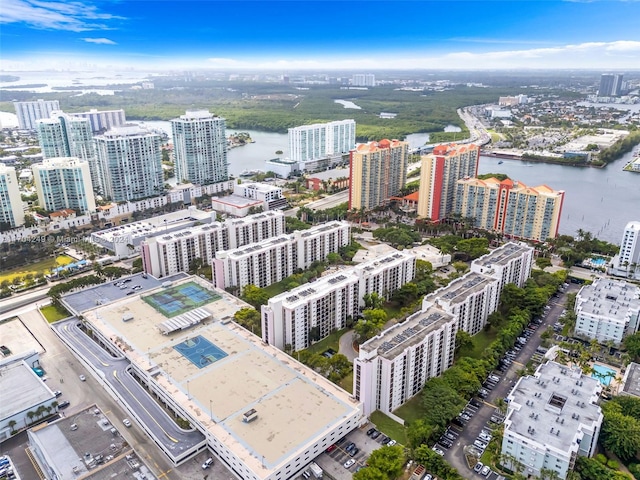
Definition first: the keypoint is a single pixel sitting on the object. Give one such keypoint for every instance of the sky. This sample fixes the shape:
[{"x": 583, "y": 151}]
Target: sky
[{"x": 332, "y": 34}]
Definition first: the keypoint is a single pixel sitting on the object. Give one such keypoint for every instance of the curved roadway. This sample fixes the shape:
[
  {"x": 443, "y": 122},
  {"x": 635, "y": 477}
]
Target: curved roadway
[{"x": 114, "y": 373}]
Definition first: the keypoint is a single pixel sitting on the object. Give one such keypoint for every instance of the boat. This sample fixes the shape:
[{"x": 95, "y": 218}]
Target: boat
[
  {"x": 500, "y": 162},
  {"x": 251, "y": 173}
]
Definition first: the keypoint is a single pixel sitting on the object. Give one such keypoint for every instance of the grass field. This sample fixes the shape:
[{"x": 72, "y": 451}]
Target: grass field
[
  {"x": 347, "y": 383},
  {"x": 411, "y": 410},
  {"x": 43, "y": 266},
  {"x": 389, "y": 427},
  {"x": 480, "y": 343},
  {"x": 332, "y": 341},
  {"x": 53, "y": 313}
]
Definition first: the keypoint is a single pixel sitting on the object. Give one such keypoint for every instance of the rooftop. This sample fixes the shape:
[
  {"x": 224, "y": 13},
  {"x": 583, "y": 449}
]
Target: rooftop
[
  {"x": 264, "y": 244},
  {"x": 236, "y": 201},
  {"x": 632, "y": 380},
  {"x": 613, "y": 299},
  {"x": 395, "y": 340},
  {"x": 16, "y": 337},
  {"x": 246, "y": 373},
  {"x": 154, "y": 225},
  {"x": 503, "y": 254},
  {"x": 461, "y": 288},
  {"x": 26, "y": 388},
  {"x": 551, "y": 407},
  {"x": 320, "y": 287},
  {"x": 83, "y": 445}
]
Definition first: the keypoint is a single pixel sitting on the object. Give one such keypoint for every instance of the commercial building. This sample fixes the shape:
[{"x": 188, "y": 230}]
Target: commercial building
[
  {"x": 607, "y": 310},
  {"x": 439, "y": 172},
  {"x": 268, "y": 415},
  {"x": 310, "y": 143},
  {"x": 610, "y": 85},
  {"x": 363, "y": 80},
  {"x": 130, "y": 159},
  {"x": 103, "y": 120},
  {"x": 64, "y": 183},
  {"x": 294, "y": 319},
  {"x": 200, "y": 147},
  {"x": 274, "y": 259},
  {"x": 29, "y": 112},
  {"x": 377, "y": 172},
  {"x": 393, "y": 366},
  {"x": 627, "y": 262},
  {"x": 11, "y": 209},
  {"x": 85, "y": 445},
  {"x": 552, "y": 417},
  {"x": 509, "y": 263},
  {"x": 124, "y": 240},
  {"x": 311, "y": 312},
  {"x": 270, "y": 195},
  {"x": 510, "y": 207},
  {"x": 282, "y": 167},
  {"x": 29, "y": 394},
  {"x": 165, "y": 253}
]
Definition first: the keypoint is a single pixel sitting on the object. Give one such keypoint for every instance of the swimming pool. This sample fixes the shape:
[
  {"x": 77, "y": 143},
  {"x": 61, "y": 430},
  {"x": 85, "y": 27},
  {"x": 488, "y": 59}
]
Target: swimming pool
[
  {"x": 604, "y": 374},
  {"x": 598, "y": 261}
]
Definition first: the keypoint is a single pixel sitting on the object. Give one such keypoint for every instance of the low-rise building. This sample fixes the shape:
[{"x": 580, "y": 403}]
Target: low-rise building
[
  {"x": 607, "y": 310},
  {"x": 553, "y": 417},
  {"x": 85, "y": 445},
  {"x": 393, "y": 366},
  {"x": 631, "y": 381},
  {"x": 509, "y": 263},
  {"x": 270, "y": 195}
]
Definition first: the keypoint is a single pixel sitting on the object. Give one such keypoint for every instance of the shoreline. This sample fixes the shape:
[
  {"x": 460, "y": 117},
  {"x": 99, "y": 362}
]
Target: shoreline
[{"x": 540, "y": 160}]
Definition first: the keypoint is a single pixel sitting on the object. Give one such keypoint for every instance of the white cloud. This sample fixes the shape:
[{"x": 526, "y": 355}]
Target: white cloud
[
  {"x": 70, "y": 16},
  {"x": 100, "y": 41}
]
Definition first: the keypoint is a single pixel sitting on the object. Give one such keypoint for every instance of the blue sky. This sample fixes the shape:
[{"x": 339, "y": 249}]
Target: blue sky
[{"x": 298, "y": 34}]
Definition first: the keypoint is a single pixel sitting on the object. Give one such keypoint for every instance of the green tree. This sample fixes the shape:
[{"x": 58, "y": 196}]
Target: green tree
[
  {"x": 543, "y": 262},
  {"x": 369, "y": 473},
  {"x": 620, "y": 433},
  {"x": 420, "y": 432},
  {"x": 460, "y": 267},
  {"x": 441, "y": 401},
  {"x": 249, "y": 318},
  {"x": 463, "y": 340},
  {"x": 334, "y": 258},
  {"x": 373, "y": 301},
  {"x": 632, "y": 345},
  {"x": 388, "y": 460},
  {"x": 254, "y": 296},
  {"x": 370, "y": 325}
]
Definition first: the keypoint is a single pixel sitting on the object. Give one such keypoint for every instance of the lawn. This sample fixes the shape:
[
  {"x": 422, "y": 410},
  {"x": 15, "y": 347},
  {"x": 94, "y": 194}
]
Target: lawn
[
  {"x": 392, "y": 310},
  {"x": 332, "y": 341},
  {"x": 411, "y": 410},
  {"x": 53, "y": 313},
  {"x": 480, "y": 343},
  {"x": 389, "y": 427},
  {"x": 276, "y": 288},
  {"x": 43, "y": 266},
  {"x": 347, "y": 383}
]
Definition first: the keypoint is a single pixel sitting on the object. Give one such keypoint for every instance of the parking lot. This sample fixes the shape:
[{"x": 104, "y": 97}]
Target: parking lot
[
  {"x": 471, "y": 431},
  {"x": 334, "y": 461}
]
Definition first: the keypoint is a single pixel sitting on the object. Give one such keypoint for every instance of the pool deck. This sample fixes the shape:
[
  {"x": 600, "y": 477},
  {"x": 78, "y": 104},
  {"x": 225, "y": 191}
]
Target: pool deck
[{"x": 601, "y": 369}]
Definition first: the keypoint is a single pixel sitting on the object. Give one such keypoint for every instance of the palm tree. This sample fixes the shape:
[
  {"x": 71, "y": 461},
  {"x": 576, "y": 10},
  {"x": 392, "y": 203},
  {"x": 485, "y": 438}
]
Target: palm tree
[
  {"x": 12, "y": 424},
  {"x": 31, "y": 414}
]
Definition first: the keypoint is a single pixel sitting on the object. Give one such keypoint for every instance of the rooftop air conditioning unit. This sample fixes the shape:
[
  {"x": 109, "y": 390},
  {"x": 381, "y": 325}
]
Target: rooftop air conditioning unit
[{"x": 250, "y": 415}]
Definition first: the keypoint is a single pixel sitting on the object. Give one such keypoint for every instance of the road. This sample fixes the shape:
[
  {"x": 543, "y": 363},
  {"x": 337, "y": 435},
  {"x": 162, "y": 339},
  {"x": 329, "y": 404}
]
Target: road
[
  {"x": 113, "y": 373},
  {"x": 455, "y": 455},
  {"x": 346, "y": 345}
]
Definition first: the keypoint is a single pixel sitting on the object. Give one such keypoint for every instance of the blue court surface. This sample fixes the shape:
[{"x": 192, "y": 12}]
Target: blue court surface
[
  {"x": 200, "y": 351},
  {"x": 180, "y": 299}
]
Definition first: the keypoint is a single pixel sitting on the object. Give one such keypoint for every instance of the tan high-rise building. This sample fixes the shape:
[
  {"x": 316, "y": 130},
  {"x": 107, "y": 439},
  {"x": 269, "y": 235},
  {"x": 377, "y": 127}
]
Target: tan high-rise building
[
  {"x": 378, "y": 172},
  {"x": 510, "y": 207},
  {"x": 439, "y": 173}
]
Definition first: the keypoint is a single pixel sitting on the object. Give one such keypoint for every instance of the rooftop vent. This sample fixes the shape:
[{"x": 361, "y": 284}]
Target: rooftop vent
[{"x": 250, "y": 415}]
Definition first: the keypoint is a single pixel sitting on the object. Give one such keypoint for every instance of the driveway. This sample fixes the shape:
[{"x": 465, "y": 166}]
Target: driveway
[
  {"x": 346, "y": 345},
  {"x": 468, "y": 434}
]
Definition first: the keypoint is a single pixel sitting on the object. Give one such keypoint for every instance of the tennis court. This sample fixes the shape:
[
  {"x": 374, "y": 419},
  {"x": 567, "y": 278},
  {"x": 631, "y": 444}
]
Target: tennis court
[
  {"x": 200, "y": 351},
  {"x": 180, "y": 299}
]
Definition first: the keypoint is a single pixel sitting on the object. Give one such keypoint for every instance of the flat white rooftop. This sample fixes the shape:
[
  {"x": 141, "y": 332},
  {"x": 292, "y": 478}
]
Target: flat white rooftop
[
  {"x": 219, "y": 371},
  {"x": 503, "y": 254},
  {"x": 461, "y": 288},
  {"x": 613, "y": 299},
  {"x": 26, "y": 389}
]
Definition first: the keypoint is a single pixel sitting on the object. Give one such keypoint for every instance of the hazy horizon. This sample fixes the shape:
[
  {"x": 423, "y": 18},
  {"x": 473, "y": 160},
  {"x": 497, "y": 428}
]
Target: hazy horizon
[{"x": 329, "y": 35}]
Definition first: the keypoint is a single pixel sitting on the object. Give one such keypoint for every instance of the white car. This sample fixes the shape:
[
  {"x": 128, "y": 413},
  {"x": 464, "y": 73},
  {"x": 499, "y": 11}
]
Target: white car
[
  {"x": 207, "y": 463},
  {"x": 480, "y": 444},
  {"x": 485, "y": 471},
  {"x": 126, "y": 422},
  {"x": 391, "y": 443},
  {"x": 349, "y": 463},
  {"x": 438, "y": 451}
]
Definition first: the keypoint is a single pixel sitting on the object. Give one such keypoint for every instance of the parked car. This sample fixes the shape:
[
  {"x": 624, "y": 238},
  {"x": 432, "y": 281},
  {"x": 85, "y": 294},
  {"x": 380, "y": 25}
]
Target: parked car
[
  {"x": 391, "y": 443},
  {"x": 57, "y": 393},
  {"x": 386, "y": 440},
  {"x": 480, "y": 444},
  {"x": 207, "y": 463},
  {"x": 126, "y": 422},
  {"x": 478, "y": 467},
  {"x": 438, "y": 451},
  {"x": 375, "y": 434},
  {"x": 63, "y": 405},
  {"x": 349, "y": 463},
  {"x": 354, "y": 451},
  {"x": 350, "y": 447},
  {"x": 484, "y": 436},
  {"x": 370, "y": 431},
  {"x": 446, "y": 443},
  {"x": 485, "y": 471},
  {"x": 331, "y": 448}
]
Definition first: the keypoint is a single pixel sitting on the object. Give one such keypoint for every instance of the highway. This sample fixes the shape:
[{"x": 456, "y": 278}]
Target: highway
[{"x": 114, "y": 374}]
